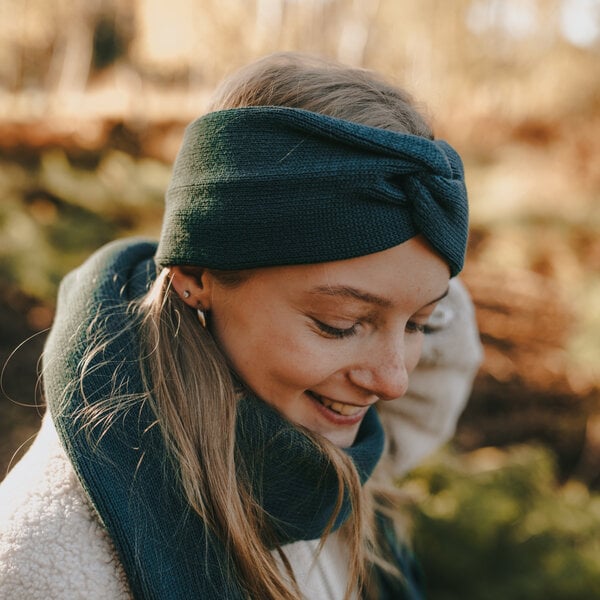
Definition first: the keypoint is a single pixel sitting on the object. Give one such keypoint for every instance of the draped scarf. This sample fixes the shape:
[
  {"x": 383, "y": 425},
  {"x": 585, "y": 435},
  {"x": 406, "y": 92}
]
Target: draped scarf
[{"x": 166, "y": 550}]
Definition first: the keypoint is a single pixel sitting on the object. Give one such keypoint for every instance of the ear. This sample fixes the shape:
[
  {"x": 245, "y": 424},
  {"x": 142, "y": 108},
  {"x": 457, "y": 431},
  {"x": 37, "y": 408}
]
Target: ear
[{"x": 195, "y": 290}]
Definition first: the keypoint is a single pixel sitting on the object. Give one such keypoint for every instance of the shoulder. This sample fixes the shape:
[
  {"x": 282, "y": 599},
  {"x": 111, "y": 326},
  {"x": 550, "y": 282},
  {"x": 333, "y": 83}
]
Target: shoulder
[{"x": 51, "y": 542}]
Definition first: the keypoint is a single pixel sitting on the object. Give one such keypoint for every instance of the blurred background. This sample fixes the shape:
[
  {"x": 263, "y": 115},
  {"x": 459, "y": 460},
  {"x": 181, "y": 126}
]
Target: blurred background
[{"x": 94, "y": 96}]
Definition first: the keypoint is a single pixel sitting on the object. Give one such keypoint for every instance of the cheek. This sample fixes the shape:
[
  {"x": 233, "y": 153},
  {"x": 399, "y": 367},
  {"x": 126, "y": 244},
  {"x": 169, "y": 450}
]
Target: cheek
[
  {"x": 271, "y": 358},
  {"x": 295, "y": 361},
  {"x": 413, "y": 352}
]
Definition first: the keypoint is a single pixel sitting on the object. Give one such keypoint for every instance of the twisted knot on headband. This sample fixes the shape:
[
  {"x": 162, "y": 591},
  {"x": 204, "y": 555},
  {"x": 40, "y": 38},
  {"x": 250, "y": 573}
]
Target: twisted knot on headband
[{"x": 265, "y": 186}]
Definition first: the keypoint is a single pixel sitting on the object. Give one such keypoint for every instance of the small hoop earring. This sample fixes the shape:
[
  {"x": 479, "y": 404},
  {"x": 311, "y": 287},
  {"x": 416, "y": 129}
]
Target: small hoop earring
[
  {"x": 201, "y": 316},
  {"x": 186, "y": 293}
]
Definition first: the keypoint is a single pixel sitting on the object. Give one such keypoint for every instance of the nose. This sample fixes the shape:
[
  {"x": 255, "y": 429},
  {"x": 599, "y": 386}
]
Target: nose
[{"x": 383, "y": 373}]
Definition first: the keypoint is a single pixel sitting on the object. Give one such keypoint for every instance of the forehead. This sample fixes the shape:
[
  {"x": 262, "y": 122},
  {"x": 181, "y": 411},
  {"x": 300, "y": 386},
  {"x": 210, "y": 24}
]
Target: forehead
[{"x": 411, "y": 271}]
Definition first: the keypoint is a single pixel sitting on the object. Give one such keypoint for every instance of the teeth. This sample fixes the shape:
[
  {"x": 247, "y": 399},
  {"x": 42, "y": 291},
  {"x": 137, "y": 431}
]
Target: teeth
[{"x": 343, "y": 409}]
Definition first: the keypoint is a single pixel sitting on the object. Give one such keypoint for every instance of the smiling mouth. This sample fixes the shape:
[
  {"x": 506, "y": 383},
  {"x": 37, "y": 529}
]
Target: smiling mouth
[{"x": 347, "y": 410}]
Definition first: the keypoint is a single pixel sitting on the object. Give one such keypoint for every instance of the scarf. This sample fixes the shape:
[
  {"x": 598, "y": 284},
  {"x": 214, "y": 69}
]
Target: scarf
[{"x": 166, "y": 550}]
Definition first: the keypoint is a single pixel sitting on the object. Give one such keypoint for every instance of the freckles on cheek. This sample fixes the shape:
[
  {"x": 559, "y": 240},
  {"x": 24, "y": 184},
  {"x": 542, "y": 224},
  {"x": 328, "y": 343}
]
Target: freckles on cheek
[{"x": 296, "y": 362}]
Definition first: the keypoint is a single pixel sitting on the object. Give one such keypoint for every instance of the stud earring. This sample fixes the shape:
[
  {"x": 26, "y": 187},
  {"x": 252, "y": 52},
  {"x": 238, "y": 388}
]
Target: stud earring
[{"x": 186, "y": 294}]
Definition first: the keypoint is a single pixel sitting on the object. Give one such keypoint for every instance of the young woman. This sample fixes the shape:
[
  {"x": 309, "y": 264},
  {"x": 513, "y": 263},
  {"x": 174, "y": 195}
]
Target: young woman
[{"x": 212, "y": 430}]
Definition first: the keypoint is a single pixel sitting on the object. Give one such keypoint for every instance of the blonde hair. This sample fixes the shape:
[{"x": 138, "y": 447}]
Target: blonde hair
[{"x": 190, "y": 384}]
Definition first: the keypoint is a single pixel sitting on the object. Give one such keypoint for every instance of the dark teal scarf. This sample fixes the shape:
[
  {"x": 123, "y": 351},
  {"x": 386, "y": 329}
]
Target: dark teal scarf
[{"x": 166, "y": 550}]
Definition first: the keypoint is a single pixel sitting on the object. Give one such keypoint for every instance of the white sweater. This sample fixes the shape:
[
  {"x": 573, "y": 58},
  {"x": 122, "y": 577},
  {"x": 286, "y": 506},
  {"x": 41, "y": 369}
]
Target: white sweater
[{"x": 54, "y": 547}]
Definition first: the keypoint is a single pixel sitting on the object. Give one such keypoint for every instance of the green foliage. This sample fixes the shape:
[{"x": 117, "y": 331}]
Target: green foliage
[
  {"x": 496, "y": 524},
  {"x": 54, "y": 214}
]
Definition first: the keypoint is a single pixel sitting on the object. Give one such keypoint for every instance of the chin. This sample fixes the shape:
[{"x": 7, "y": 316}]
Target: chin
[{"x": 341, "y": 439}]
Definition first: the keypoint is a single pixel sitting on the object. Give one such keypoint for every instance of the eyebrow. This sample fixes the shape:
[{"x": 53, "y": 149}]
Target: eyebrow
[
  {"x": 351, "y": 292},
  {"x": 356, "y": 294}
]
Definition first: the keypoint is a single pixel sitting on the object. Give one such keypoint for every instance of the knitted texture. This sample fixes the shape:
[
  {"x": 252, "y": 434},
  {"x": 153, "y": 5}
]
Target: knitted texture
[
  {"x": 262, "y": 186},
  {"x": 165, "y": 548}
]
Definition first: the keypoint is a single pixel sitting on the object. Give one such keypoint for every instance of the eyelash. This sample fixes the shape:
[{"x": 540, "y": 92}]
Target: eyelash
[
  {"x": 413, "y": 327},
  {"x": 338, "y": 333},
  {"x": 335, "y": 332}
]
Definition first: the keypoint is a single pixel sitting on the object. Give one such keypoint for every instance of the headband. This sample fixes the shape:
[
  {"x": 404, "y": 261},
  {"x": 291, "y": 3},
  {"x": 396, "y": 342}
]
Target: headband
[{"x": 264, "y": 186}]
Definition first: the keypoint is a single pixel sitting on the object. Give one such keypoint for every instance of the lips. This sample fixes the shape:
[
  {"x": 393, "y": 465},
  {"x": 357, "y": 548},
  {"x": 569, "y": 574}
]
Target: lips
[{"x": 347, "y": 410}]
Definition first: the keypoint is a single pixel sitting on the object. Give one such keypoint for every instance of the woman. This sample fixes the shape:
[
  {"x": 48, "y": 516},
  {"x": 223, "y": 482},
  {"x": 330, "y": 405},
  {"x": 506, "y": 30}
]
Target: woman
[{"x": 214, "y": 396}]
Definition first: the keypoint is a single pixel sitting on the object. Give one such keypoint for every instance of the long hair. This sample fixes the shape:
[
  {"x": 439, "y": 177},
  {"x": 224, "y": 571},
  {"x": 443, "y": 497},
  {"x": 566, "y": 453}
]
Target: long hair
[{"x": 189, "y": 381}]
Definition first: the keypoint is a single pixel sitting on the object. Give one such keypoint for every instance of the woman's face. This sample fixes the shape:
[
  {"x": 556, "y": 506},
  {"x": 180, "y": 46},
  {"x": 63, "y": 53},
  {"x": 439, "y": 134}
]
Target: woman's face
[{"x": 323, "y": 342}]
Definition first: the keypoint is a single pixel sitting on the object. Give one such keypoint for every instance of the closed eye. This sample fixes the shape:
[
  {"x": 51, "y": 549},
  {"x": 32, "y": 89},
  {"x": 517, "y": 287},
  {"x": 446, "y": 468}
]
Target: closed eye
[
  {"x": 338, "y": 333},
  {"x": 335, "y": 332},
  {"x": 412, "y": 327}
]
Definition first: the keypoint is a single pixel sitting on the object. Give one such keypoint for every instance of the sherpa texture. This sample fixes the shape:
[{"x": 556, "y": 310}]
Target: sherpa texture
[
  {"x": 263, "y": 186},
  {"x": 52, "y": 545}
]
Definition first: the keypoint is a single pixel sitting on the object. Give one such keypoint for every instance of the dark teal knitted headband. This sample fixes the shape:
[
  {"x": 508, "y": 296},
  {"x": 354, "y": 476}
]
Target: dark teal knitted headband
[{"x": 264, "y": 186}]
